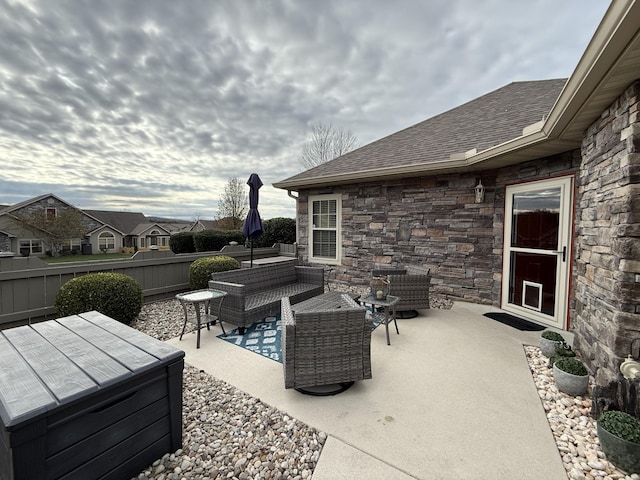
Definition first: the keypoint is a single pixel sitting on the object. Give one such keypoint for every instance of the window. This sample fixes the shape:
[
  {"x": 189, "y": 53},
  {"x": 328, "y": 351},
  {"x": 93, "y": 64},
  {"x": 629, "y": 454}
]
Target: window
[
  {"x": 30, "y": 246},
  {"x": 51, "y": 212},
  {"x": 324, "y": 229},
  {"x": 106, "y": 241},
  {"x": 75, "y": 244},
  {"x": 154, "y": 237}
]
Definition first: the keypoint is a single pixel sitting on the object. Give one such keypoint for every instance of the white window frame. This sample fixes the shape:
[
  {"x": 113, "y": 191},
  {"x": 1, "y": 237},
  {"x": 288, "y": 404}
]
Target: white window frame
[
  {"x": 107, "y": 235},
  {"x": 338, "y": 229},
  {"x": 35, "y": 245},
  {"x": 75, "y": 243}
]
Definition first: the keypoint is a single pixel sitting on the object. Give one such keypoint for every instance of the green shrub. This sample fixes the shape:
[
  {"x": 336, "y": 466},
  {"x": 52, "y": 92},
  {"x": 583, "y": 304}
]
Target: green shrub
[
  {"x": 621, "y": 425},
  {"x": 562, "y": 350},
  {"x": 200, "y": 270},
  {"x": 277, "y": 230},
  {"x": 182, "y": 242},
  {"x": 116, "y": 295},
  {"x": 553, "y": 336},
  {"x": 571, "y": 365},
  {"x": 214, "y": 240}
]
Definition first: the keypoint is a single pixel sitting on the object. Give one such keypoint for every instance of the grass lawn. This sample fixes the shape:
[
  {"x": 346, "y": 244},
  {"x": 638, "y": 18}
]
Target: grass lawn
[{"x": 87, "y": 258}]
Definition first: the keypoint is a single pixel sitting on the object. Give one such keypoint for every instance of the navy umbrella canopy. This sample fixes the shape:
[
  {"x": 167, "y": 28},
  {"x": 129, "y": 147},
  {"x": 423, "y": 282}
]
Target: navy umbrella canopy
[{"x": 252, "y": 226}]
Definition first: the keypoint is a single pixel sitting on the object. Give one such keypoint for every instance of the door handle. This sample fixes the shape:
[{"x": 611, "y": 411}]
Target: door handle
[{"x": 563, "y": 252}]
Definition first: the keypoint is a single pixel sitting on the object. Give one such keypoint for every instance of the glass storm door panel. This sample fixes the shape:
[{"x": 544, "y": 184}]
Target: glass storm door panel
[{"x": 536, "y": 262}]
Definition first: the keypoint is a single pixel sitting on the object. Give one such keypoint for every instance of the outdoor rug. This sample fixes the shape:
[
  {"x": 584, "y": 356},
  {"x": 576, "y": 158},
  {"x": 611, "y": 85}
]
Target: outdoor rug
[
  {"x": 262, "y": 337},
  {"x": 515, "y": 322}
]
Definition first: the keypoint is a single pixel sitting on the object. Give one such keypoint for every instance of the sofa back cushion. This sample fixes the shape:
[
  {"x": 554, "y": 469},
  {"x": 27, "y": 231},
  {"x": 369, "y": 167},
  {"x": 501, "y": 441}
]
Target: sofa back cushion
[{"x": 259, "y": 278}]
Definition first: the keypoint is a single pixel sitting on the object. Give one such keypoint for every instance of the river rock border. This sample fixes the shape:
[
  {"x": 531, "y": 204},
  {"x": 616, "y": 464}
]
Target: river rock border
[{"x": 572, "y": 426}]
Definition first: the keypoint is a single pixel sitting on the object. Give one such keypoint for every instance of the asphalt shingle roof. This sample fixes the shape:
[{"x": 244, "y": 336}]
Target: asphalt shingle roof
[
  {"x": 482, "y": 123},
  {"x": 125, "y": 222}
]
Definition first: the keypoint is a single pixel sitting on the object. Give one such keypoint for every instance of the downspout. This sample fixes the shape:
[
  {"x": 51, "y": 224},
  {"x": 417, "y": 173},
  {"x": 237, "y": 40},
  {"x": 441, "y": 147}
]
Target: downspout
[{"x": 296, "y": 199}]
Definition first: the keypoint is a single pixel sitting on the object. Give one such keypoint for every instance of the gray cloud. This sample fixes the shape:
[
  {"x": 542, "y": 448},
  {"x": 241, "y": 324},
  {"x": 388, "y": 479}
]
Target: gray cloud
[{"x": 153, "y": 105}]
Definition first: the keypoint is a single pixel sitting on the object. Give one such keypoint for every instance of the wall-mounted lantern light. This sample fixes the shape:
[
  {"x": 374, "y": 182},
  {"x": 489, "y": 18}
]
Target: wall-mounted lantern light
[{"x": 479, "y": 192}]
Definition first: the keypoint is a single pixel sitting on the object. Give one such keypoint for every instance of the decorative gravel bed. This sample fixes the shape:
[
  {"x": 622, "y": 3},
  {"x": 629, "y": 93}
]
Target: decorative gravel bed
[{"x": 573, "y": 428}]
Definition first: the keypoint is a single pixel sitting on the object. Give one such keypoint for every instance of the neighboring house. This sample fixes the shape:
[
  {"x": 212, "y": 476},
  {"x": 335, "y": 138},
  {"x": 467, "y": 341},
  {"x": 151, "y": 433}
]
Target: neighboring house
[
  {"x": 131, "y": 229},
  {"x": 105, "y": 231},
  {"x": 554, "y": 233},
  {"x": 17, "y": 237},
  {"x": 200, "y": 225}
]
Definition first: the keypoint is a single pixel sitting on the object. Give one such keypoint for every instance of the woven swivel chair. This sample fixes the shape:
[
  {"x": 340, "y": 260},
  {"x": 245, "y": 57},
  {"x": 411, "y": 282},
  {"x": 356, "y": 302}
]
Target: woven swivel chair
[
  {"x": 411, "y": 284},
  {"x": 322, "y": 348}
]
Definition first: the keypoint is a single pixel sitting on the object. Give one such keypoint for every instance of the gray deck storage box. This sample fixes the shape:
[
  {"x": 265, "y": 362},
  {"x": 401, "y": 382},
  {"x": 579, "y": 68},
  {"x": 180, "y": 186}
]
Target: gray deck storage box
[{"x": 86, "y": 397}]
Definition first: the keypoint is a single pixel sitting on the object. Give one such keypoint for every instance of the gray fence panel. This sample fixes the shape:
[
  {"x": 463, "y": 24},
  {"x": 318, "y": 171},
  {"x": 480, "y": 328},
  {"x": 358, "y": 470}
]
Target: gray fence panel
[{"x": 28, "y": 287}]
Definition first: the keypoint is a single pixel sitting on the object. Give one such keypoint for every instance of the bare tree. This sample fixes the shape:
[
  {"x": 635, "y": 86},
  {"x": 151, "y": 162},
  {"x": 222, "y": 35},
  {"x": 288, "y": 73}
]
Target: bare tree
[
  {"x": 234, "y": 204},
  {"x": 326, "y": 143},
  {"x": 55, "y": 230}
]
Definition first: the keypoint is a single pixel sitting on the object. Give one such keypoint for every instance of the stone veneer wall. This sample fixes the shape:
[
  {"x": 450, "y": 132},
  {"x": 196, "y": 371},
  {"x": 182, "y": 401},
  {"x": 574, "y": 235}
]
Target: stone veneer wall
[
  {"x": 5, "y": 243},
  {"x": 432, "y": 222},
  {"x": 608, "y": 244}
]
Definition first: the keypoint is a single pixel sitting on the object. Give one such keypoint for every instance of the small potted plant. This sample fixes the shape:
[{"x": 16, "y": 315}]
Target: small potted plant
[
  {"x": 549, "y": 340},
  {"x": 563, "y": 350},
  {"x": 571, "y": 376},
  {"x": 619, "y": 435}
]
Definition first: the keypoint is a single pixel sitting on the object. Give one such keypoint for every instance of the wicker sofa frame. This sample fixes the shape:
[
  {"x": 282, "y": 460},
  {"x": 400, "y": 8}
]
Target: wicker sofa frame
[
  {"x": 328, "y": 342},
  {"x": 255, "y": 293},
  {"x": 411, "y": 284}
]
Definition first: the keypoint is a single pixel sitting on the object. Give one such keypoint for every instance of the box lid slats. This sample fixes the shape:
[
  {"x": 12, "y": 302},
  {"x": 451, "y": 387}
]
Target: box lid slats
[
  {"x": 21, "y": 392},
  {"x": 64, "y": 379},
  {"x": 102, "y": 369},
  {"x": 124, "y": 352},
  {"x": 50, "y": 364},
  {"x": 152, "y": 346}
]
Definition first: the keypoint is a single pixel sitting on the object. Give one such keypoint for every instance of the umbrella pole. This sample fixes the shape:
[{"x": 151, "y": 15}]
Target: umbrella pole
[{"x": 251, "y": 264}]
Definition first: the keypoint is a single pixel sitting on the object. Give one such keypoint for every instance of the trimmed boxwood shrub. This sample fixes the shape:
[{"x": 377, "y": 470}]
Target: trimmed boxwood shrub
[
  {"x": 200, "y": 270},
  {"x": 214, "y": 240},
  {"x": 621, "y": 425},
  {"x": 116, "y": 295},
  {"x": 277, "y": 230},
  {"x": 553, "y": 336},
  {"x": 571, "y": 365},
  {"x": 182, "y": 242}
]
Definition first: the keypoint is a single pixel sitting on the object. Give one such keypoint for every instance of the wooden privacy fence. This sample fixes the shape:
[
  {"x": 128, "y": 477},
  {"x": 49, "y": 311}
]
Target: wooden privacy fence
[{"x": 28, "y": 286}]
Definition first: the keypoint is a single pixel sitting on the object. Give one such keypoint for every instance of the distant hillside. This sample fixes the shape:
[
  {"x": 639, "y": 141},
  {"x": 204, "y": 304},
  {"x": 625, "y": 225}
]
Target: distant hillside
[{"x": 167, "y": 220}]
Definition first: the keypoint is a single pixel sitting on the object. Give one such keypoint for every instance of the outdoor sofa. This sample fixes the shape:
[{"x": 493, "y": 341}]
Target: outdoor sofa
[
  {"x": 411, "y": 284},
  {"x": 255, "y": 293}
]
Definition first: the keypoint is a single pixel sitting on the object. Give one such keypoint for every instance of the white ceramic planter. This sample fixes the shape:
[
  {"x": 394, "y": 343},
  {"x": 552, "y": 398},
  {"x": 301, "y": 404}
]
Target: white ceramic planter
[
  {"x": 570, "y": 384},
  {"x": 548, "y": 347}
]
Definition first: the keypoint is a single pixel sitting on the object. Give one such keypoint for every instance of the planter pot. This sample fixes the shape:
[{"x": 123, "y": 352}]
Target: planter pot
[
  {"x": 622, "y": 453},
  {"x": 570, "y": 384},
  {"x": 548, "y": 347}
]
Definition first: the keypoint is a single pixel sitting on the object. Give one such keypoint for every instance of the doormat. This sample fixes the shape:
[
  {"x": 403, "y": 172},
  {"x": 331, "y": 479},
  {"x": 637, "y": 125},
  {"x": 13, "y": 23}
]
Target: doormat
[
  {"x": 515, "y": 322},
  {"x": 262, "y": 337}
]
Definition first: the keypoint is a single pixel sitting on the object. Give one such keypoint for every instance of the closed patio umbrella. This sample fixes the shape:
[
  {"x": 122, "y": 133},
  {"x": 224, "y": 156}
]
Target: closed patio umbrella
[{"x": 252, "y": 227}]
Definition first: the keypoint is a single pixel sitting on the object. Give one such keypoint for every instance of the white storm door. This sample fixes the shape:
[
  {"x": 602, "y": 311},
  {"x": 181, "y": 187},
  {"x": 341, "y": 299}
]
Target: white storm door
[{"x": 537, "y": 250}]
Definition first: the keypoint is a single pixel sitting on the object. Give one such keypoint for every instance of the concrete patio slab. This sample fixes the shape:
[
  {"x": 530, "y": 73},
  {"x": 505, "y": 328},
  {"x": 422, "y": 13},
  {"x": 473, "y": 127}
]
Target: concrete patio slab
[{"x": 451, "y": 398}]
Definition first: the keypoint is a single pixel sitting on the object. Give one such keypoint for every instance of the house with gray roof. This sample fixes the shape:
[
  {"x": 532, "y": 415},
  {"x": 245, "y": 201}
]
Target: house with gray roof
[
  {"x": 132, "y": 228},
  {"x": 104, "y": 231},
  {"x": 527, "y": 199}
]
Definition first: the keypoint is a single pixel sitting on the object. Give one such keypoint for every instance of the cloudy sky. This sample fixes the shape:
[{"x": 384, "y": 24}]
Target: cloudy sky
[{"x": 153, "y": 106}]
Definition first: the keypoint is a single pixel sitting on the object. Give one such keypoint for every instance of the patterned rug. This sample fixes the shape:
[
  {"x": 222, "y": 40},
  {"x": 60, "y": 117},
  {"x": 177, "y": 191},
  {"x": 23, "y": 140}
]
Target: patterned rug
[{"x": 262, "y": 337}]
